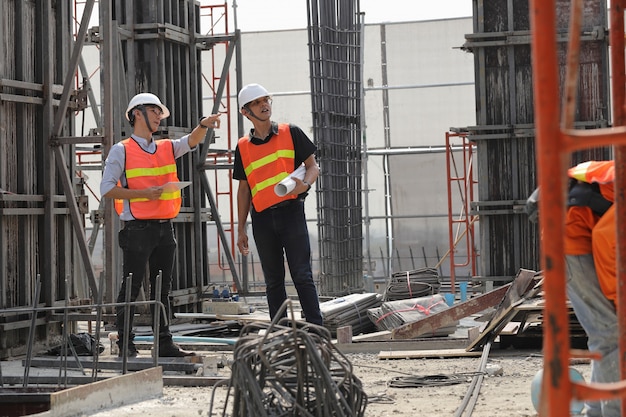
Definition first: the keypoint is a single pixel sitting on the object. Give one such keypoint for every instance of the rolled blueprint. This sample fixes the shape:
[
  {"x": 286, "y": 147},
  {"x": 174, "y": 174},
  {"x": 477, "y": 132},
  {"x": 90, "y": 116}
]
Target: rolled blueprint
[{"x": 286, "y": 185}]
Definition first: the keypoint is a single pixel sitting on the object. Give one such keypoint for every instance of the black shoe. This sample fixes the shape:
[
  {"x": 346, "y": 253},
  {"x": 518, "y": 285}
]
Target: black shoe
[
  {"x": 171, "y": 350},
  {"x": 131, "y": 352}
]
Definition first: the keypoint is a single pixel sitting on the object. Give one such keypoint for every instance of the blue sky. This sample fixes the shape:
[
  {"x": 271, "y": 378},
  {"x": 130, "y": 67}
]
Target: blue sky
[{"x": 257, "y": 15}]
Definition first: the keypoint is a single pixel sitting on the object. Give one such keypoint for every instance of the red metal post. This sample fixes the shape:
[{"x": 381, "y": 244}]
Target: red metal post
[
  {"x": 618, "y": 82},
  {"x": 551, "y": 173},
  {"x": 553, "y": 147}
]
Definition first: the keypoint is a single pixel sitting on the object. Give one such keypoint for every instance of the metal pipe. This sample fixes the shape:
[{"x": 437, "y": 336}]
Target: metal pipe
[
  {"x": 188, "y": 339},
  {"x": 412, "y": 150},
  {"x": 387, "y": 135},
  {"x": 127, "y": 313},
  {"x": 96, "y": 353},
  {"x": 156, "y": 316},
  {"x": 31, "y": 332},
  {"x": 366, "y": 190}
]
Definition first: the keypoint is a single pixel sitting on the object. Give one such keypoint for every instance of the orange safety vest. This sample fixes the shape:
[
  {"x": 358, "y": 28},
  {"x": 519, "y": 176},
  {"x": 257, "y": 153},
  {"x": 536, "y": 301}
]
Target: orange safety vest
[
  {"x": 266, "y": 165},
  {"x": 144, "y": 170}
]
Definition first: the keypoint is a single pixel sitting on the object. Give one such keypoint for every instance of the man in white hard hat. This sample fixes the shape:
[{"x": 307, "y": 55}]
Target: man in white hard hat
[
  {"x": 135, "y": 175},
  {"x": 268, "y": 154}
]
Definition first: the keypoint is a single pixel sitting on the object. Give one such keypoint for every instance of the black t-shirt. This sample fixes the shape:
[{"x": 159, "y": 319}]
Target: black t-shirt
[{"x": 302, "y": 146}]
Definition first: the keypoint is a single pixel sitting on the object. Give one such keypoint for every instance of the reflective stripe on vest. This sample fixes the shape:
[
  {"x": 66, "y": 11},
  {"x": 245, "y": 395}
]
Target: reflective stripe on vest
[
  {"x": 144, "y": 170},
  {"x": 266, "y": 165}
]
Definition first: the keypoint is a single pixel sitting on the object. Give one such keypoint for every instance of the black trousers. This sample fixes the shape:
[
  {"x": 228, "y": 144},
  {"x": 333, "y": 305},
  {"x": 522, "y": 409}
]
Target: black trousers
[{"x": 150, "y": 242}]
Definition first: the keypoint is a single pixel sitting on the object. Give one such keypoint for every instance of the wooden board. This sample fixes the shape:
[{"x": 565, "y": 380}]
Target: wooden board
[
  {"x": 373, "y": 337},
  {"x": 417, "y": 354}
]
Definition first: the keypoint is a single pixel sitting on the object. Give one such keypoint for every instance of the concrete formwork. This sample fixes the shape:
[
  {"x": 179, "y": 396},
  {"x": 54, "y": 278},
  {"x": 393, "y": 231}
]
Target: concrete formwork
[
  {"x": 505, "y": 132},
  {"x": 41, "y": 198}
]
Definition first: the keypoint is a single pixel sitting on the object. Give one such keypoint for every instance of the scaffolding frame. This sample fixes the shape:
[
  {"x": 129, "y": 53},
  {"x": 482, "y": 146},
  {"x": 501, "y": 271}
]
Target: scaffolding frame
[{"x": 460, "y": 176}]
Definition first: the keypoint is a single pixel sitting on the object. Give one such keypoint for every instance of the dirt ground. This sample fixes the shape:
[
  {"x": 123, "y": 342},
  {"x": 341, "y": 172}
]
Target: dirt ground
[{"x": 505, "y": 390}]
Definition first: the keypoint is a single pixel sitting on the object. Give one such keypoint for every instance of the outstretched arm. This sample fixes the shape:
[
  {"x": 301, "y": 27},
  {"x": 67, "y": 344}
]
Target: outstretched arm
[{"x": 199, "y": 133}]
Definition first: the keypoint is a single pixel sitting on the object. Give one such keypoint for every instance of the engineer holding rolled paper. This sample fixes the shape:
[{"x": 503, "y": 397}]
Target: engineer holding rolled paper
[{"x": 265, "y": 157}]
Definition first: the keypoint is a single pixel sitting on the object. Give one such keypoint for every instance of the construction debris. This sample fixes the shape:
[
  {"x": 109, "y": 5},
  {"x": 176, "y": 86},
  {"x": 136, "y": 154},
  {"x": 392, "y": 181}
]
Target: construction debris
[
  {"x": 526, "y": 285},
  {"x": 393, "y": 314},
  {"x": 429, "y": 324}
]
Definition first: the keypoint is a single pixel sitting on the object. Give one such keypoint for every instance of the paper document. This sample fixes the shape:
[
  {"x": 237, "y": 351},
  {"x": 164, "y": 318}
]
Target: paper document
[
  {"x": 174, "y": 186},
  {"x": 286, "y": 185}
]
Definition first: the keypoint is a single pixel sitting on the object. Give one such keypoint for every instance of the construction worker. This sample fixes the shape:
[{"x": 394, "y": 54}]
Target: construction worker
[
  {"x": 268, "y": 154},
  {"x": 590, "y": 198},
  {"x": 136, "y": 173}
]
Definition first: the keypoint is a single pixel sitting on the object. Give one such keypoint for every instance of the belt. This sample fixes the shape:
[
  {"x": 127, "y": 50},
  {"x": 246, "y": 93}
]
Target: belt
[
  {"x": 286, "y": 203},
  {"x": 150, "y": 221}
]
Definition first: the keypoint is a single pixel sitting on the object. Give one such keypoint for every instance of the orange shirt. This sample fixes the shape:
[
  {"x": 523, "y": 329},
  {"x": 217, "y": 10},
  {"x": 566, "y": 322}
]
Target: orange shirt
[
  {"x": 604, "y": 253},
  {"x": 579, "y": 223},
  {"x": 607, "y": 191}
]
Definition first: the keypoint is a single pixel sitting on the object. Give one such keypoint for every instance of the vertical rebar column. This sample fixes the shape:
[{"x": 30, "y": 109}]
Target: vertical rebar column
[{"x": 335, "y": 63}]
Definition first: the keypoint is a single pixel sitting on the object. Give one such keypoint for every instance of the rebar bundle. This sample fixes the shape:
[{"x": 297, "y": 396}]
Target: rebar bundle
[
  {"x": 412, "y": 284},
  {"x": 291, "y": 368}
]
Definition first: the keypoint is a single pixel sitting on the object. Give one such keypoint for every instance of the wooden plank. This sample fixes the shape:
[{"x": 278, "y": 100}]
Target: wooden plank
[
  {"x": 521, "y": 286},
  {"x": 418, "y": 354},
  {"x": 441, "y": 343},
  {"x": 373, "y": 337},
  {"x": 448, "y": 317}
]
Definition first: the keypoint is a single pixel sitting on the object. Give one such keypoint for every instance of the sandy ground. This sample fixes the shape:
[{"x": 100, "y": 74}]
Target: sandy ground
[{"x": 505, "y": 390}]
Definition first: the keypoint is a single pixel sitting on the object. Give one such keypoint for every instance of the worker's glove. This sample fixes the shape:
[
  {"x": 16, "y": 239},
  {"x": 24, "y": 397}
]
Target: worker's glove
[{"x": 532, "y": 206}]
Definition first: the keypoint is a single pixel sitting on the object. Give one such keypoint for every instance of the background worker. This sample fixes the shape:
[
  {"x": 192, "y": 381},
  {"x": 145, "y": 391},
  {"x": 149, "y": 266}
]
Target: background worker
[
  {"x": 588, "y": 203},
  {"x": 135, "y": 173},
  {"x": 263, "y": 158}
]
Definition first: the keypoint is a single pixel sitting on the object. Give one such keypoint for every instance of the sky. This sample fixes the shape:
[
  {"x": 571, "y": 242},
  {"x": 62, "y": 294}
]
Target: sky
[{"x": 260, "y": 15}]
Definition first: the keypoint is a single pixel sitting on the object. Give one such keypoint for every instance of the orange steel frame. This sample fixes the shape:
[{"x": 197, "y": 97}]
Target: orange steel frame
[
  {"x": 555, "y": 141},
  {"x": 463, "y": 235}
]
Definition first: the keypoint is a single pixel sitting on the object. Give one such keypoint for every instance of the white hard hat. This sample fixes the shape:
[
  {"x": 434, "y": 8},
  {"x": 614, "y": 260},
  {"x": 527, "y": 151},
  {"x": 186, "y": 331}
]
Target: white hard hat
[
  {"x": 250, "y": 93},
  {"x": 147, "y": 98}
]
